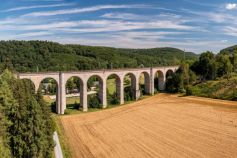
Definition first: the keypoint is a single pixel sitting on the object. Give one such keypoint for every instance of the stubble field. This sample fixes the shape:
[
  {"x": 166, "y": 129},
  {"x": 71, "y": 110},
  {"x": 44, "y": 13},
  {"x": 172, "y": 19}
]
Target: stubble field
[{"x": 160, "y": 126}]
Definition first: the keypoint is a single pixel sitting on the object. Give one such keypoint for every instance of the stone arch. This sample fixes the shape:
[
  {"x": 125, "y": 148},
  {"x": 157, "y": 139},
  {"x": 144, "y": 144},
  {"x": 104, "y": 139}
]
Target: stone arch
[
  {"x": 146, "y": 82},
  {"x": 75, "y": 91},
  {"x": 97, "y": 85},
  {"x": 159, "y": 80},
  {"x": 54, "y": 94},
  {"x": 44, "y": 80},
  {"x": 169, "y": 77},
  {"x": 113, "y": 89},
  {"x": 130, "y": 86},
  {"x": 168, "y": 73}
]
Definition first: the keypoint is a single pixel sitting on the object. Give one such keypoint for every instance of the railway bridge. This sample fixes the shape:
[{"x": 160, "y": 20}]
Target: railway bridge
[{"x": 61, "y": 79}]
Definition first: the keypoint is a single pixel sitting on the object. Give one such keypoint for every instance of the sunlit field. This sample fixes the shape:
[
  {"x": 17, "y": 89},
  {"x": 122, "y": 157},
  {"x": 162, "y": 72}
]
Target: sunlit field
[{"x": 159, "y": 126}]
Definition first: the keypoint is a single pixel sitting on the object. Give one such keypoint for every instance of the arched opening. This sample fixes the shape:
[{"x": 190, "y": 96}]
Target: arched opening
[
  {"x": 129, "y": 82},
  {"x": 169, "y": 73},
  {"x": 113, "y": 89},
  {"x": 73, "y": 93},
  {"x": 29, "y": 83},
  {"x": 95, "y": 91},
  {"x": 144, "y": 83},
  {"x": 159, "y": 81},
  {"x": 49, "y": 89},
  {"x": 171, "y": 82}
]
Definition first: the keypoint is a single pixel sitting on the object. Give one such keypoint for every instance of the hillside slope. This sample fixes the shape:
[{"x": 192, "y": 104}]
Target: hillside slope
[
  {"x": 229, "y": 49},
  {"x": 220, "y": 89},
  {"x": 24, "y": 56}
]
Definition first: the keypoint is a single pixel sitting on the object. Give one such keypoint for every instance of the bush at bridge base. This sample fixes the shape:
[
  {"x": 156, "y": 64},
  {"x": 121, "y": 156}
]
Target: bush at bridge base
[
  {"x": 129, "y": 94},
  {"x": 94, "y": 101},
  {"x": 113, "y": 99}
]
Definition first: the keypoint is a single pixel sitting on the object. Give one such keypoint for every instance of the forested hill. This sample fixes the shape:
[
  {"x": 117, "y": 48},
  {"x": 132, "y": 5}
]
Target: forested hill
[
  {"x": 26, "y": 56},
  {"x": 229, "y": 49}
]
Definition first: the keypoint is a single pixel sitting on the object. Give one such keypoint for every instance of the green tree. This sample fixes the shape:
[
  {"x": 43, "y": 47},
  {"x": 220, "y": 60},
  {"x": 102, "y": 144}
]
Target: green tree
[
  {"x": 70, "y": 84},
  {"x": 174, "y": 83},
  {"x": 93, "y": 101},
  {"x": 234, "y": 60},
  {"x": 4, "y": 150},
  {"x": 206, "y": 66},
  {"x": 29, "y": 128},
  {"x": 7, "y": 107},
  {"x": 224, "y": 66}
]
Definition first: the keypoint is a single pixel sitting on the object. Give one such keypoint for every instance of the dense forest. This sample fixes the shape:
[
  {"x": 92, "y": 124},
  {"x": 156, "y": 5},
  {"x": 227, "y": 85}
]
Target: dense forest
[
  {"x": 32, "y": 56},
  {"x": 26, "y": 129}
]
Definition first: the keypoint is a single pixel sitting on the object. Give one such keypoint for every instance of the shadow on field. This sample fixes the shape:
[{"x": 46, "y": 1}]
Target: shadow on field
[{"x": 73, "y": 106}]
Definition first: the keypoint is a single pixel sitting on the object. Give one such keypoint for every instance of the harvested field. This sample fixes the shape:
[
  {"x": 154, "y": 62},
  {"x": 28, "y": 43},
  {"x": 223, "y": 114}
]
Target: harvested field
[{"x": 160, "y": 126}]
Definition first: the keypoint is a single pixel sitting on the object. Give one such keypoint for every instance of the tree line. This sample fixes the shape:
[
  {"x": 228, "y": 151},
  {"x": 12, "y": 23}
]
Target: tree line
[
  {"x": 208, "y": 67},
  {"x": 26, "y": 128}
]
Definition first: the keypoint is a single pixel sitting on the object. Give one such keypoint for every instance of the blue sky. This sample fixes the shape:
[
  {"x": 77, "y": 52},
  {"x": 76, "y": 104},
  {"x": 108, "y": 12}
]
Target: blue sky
[{"x": 193, "y": 25}]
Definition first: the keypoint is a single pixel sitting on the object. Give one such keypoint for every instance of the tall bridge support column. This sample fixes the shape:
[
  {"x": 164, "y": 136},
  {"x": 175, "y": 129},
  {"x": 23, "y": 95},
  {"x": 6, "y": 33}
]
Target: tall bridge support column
[
  {"x": 120, "y": 90},
  {"x": 151, "y": 81},
  {"x": 136, "y": 87},
  {"x": 83, "y": 96},
  {"x": 58, "y": 100},
  {"x": 62, "y": 94},
  {"x": 103, "y": 93}
]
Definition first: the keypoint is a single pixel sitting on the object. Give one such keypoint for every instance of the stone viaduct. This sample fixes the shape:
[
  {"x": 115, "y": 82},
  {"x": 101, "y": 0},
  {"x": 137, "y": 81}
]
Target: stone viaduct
[{"x": 102, "y": 75}]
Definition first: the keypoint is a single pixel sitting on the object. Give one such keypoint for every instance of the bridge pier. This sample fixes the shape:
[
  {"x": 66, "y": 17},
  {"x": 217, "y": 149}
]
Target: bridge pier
[
  {"x": 83, "y": 97},
  {"x": 62, "y": 99},
  {"x": 136, "y": 88},
  {"x": 58, "y": 100},
  {"x": 120, "y": 88},
  {"x": 151, "y": 81},
  {"x": 103, "y": 93}
]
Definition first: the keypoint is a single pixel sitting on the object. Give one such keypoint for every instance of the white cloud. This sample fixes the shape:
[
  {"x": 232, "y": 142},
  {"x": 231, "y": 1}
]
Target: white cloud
[
  {"x": 33, "y": 34},
  {"x": 214, "y": 16},
  {"x": 201, "y": 3},
  {"x": 231, "y": 6},
  {"x": 89, "y": 26},
  {"x": 221, "y": 18},
  {"x": 128, "y": 41},
  {"x": 144, "y": 35},
  {"x": 36, "y": 6},
  {"x": 86, "y": 9},
  {"x": 27, "y": 35},
  {"x": 131, "y": 16},
  {"x": 127, "y": 16},
  {"x": 231, "y": 31},
  {"x": 224, "y": 41}
]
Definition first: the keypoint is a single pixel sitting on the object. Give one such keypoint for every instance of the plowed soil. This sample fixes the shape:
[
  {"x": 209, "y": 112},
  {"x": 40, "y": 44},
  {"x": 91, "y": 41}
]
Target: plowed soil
[{"x": 160, "y": 126}]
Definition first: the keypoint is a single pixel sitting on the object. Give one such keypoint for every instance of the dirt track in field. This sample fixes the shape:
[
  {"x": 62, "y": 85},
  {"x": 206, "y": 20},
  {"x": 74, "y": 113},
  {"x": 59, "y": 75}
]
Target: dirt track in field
[{"x": 160, "y": 126}]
